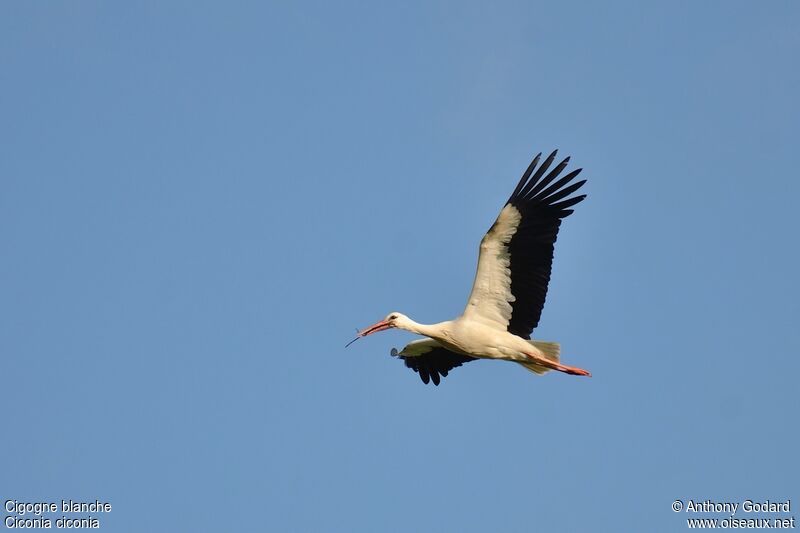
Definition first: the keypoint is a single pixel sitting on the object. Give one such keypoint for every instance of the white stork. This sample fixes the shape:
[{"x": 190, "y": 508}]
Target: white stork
[{"x": 508, "y": 294}]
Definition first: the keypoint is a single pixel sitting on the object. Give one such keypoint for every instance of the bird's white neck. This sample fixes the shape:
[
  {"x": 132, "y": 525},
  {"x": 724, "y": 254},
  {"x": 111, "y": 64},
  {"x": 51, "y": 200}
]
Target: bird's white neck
[{"x": 429, "y": 330}]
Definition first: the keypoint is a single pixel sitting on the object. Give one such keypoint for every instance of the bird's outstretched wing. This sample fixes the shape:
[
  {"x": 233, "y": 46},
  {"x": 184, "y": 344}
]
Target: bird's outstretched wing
[
  {"x": 516, "y": 254},
  {"x": 430, "y": 359}
]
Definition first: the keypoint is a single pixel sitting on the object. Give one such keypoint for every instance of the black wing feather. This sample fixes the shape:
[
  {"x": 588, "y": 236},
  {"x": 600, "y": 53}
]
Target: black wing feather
[
  {"x": 523, "y": 192},
  {"x": 527, "y": 174},
  {"x": 531, "y": 247},
  {"x": 434, "y": 364},
  {"x": 547, "y": 179}
]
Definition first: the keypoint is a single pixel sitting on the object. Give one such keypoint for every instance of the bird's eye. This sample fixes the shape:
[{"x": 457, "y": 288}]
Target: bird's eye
[{"x": 393, "y": 317}]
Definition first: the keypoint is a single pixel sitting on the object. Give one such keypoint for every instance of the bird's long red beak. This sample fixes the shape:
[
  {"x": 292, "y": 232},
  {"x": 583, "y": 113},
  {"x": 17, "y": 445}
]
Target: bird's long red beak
[{"x": 375, "y": 328}]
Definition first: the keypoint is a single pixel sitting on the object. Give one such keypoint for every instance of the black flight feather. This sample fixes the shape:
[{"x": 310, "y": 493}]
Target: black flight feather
[{"x": 434, "y": 364}]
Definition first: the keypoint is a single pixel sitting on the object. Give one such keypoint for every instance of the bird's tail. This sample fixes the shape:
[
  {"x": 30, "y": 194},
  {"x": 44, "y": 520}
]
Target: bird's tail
[{"x": 550, "y": 350}]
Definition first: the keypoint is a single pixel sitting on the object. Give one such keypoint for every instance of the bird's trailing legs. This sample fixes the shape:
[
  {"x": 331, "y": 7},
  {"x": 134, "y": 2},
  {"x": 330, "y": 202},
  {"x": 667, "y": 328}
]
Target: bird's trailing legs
[{"x": 541, "y": 361}]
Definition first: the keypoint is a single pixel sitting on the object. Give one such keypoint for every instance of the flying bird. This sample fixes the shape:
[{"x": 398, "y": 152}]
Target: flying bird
[{"x": 508, "y": 294}]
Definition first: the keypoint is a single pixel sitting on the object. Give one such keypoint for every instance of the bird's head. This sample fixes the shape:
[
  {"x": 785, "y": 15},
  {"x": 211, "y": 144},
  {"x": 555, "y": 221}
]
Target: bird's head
[{"x": 392, "y": 320}]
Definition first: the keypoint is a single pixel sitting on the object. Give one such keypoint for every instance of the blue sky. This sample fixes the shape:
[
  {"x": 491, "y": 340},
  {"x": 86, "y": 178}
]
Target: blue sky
[{"x": 200, "y": 202}]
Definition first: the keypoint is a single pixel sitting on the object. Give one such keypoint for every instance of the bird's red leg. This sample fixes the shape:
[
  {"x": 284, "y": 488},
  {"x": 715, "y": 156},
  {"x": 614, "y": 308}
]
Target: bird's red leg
[{"x": 575, "y": 371}]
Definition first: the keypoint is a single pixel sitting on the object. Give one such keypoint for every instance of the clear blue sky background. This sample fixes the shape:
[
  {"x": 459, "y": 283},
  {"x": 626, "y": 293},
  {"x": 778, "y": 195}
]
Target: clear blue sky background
[{"x": 199, "y": 202}]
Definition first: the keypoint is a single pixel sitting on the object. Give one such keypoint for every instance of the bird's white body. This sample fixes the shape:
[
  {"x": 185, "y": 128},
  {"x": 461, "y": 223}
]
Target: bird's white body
[
  {"x": 470, "y": 337},
  {"x": 509, "y": 289}
]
